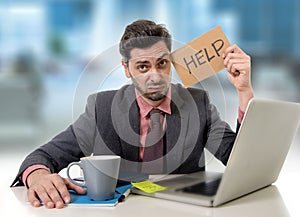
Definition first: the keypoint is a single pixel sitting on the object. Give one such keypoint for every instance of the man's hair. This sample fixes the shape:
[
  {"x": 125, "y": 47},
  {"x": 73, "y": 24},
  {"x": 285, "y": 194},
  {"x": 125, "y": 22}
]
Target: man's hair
[{"x": 143, "y": 34}]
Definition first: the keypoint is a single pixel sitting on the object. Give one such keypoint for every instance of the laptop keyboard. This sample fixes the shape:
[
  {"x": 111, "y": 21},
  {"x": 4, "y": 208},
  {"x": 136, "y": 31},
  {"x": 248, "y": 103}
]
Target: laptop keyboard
[{"x": 204, "y": 188}]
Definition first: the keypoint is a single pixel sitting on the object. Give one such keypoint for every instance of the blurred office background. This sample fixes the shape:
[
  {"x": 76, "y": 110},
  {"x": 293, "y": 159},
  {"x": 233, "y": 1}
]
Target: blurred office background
[{"x": 48, "y": 49}]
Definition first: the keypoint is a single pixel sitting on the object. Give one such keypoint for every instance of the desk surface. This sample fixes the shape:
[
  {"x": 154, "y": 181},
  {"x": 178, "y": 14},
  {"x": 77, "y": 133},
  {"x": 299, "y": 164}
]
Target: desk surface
[{"x": 277, "y": 200}]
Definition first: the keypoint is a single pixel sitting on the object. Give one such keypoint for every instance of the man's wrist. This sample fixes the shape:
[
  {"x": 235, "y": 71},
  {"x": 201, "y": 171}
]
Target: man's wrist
[
  {"x": 244, "y": 98},
  {"x": 240, "y": 115},
  {"x": 32, "y": 169}
]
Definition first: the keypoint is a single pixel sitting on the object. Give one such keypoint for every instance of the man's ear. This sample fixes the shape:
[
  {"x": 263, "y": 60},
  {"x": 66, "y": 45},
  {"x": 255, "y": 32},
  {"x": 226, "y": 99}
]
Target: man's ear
[{"x": 126, "y": 69}]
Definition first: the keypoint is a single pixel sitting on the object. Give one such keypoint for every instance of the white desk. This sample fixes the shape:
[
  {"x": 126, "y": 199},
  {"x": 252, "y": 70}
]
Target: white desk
[
  {"x": 271, "y": 201},
  {"x": 279, "y": 200}
]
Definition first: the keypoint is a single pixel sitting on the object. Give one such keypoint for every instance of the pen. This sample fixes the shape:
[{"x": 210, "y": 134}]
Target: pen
[{"x": 124, "y": 195}]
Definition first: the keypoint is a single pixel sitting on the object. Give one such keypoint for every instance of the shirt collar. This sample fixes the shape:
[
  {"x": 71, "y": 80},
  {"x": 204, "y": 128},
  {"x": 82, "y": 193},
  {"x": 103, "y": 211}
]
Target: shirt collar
[{"x": 145, "y": 108}]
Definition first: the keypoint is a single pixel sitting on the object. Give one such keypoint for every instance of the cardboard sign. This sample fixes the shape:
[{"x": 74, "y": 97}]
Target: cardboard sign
[{"x": 201, "y": 57}]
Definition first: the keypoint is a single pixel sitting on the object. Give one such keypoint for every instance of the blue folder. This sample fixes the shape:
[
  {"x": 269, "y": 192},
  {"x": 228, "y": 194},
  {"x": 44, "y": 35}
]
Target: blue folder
[{"x": 120, "y": 194}]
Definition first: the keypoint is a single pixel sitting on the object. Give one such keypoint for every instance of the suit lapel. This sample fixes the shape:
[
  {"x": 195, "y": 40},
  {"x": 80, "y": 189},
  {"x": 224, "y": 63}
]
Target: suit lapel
[
  {"x": 176, "y": 129},
  {"x": 125, "y": 117},
  {"x": 133, "y": 152}
]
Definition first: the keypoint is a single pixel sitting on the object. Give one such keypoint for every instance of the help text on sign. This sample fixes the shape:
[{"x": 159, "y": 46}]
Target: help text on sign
[{"x": 201, "y": 57}]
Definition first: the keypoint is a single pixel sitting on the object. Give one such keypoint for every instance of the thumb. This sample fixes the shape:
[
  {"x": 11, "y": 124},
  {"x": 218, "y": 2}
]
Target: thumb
[{"x": 76, "y": 188}]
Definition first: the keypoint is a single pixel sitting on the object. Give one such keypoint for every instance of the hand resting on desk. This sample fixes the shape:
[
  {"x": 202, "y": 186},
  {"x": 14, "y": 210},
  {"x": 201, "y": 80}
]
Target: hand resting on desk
[{"x": 51, "y": 189}]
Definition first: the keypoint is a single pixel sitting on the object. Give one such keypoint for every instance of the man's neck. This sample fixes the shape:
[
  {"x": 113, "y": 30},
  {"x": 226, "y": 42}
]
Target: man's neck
[{"x": 153, "y": 103}]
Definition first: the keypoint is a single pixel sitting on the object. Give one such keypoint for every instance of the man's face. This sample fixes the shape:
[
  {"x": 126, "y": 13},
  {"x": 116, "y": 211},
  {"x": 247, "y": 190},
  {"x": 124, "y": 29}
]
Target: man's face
[{"x": 150, "y": 70}]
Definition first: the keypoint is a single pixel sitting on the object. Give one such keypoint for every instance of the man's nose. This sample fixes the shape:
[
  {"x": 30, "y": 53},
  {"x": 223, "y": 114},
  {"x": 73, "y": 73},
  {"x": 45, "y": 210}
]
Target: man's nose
[{"x": 155, "y": 75}]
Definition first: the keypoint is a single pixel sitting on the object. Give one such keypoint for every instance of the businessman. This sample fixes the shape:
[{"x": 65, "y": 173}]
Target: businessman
[{"x": 155, "y": 126}]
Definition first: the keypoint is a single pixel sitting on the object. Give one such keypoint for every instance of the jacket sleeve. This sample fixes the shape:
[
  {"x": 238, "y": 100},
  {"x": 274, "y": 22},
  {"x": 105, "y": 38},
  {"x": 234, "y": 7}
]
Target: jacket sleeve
[
  {"x": 68, "y": 146},
  {"x": 220, "y": 137}
]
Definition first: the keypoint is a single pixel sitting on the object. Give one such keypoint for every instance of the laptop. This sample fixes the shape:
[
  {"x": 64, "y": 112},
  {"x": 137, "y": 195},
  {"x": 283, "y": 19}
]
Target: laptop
[{"x": 258, "y": 154}]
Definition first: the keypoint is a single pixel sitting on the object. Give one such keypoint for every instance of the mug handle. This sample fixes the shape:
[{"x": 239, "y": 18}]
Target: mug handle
[{"x": 72, "y": 180}]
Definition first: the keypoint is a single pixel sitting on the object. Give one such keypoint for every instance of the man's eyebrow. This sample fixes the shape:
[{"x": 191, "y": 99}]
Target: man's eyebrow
[
  {"x": 161, "y": 57},
  {"x": 157, "y": 60},
  {"x": 142, "y": 62}
]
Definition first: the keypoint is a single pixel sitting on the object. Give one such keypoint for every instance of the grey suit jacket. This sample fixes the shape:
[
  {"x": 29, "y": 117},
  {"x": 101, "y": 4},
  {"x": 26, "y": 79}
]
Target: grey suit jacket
[{"x": 110, "y": 125}]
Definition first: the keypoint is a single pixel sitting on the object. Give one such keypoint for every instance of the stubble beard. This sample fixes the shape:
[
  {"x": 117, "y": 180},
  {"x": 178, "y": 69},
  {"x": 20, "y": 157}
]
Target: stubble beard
[{"x": 154, "y": 96}]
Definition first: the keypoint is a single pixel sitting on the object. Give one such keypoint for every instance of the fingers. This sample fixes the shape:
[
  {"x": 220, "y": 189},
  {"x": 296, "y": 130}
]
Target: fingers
[
  {"x": 74, "y": 187},
  {"x": 59, "y": 192},
  {"x": 235, "y": 60},
  {"x": 233, "y": 65},
  {"x": 240, "y": 67},
  {"x": 51, "y": 190},
  {"x": 32, "y": 197},
  {"x": 39, "y": 192},
  {"x": 232, "y": 56},
  {"x": 232, "y": 49}
]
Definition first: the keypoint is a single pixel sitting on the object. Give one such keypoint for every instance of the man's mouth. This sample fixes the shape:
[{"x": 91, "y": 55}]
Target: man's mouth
[{"x": 155, "y": 88}]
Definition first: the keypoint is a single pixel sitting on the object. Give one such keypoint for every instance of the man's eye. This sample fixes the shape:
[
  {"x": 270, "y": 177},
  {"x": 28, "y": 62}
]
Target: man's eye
[
  {"x": 142, "y": 68},
  {"x": 163, "y": 63}
]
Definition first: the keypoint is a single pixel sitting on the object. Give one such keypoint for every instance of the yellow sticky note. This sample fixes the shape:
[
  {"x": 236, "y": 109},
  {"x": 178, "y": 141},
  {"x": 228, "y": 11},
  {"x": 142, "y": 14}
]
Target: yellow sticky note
[{"x": 148, "y": 187}]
